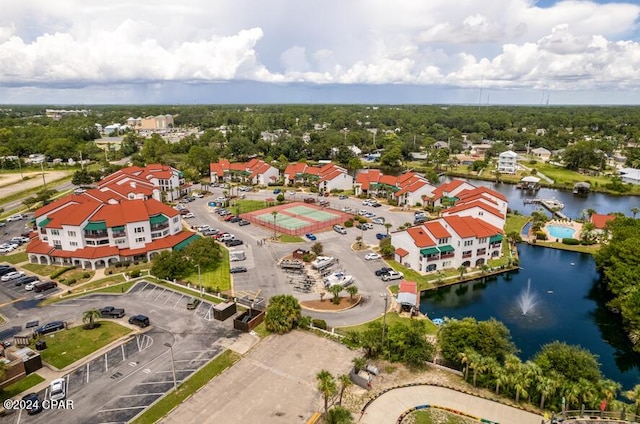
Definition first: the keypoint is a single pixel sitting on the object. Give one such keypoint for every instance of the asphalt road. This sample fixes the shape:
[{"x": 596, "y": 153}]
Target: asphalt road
[
  {"x": 117, "y": 385},
  {"x": 14, "y": 204},
  {"x": 265, "y": 277}
]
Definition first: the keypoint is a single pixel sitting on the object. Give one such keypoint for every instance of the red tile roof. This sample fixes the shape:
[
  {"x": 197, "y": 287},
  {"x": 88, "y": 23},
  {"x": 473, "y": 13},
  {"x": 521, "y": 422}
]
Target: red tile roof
[
  {"x": 436, "y": 229},
  {"x": 447, "y": 188},
  {"x": 599, "y": 221},
  {"x": 478, "y": 190},
  {"x": 471, "y": 205},
  {"x": 415, "y": 186},
  {"x": 408, "y": 287},
  {"x": 401, "y": 252},
  {"x": 39, "y": 247},
  {"x": 420, "y": 237},
  {"x": 467, "y": 226},
  {"x": 388, "y": 180},
  {"x": 86, "y": 253},
  {"x": 72, "y": 198}
]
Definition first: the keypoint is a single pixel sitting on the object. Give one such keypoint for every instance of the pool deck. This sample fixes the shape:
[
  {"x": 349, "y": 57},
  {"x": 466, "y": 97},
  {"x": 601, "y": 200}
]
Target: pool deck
[{"x": 576, "y": 226}]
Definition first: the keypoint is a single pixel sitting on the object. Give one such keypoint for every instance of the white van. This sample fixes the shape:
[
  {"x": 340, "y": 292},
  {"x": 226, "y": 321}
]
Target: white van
[{"x": 339, "y": 229}]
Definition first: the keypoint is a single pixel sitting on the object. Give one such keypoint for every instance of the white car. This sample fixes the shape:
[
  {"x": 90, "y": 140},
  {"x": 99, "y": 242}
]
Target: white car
[
  {"x": 21, "y": 239},
  {"x": 392, "y": 275},
  {"x": 198, "y": 195},
  {"x": 373, "y": 256},
  {"x": 221, "y": 199},
  {"x": 227, "y": 237},
  {"x": 188, "y": 215},
  {"x": 57, "y": 389},
  {"x": 12, "y": 276},
  {"x": 16, "y": 217},
  {"x": 30, "y": 286},
  {"x": 203, "y": 227},
  {"x": 366, "y": 203}
]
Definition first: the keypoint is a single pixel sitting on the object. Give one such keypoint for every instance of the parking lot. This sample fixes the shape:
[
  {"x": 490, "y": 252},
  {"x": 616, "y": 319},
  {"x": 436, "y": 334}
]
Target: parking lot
[{"x": 117, "y": 385}]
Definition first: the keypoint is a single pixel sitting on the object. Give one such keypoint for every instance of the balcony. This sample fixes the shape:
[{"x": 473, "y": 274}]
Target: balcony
[
  {"x": 432, "y": 258},
  {"x": 481, "y": 252},
  {"x": 119, "y": 234},
  {"x": 159, "y": 227},
  {"x": 466, "y": 255},
  {"x": 447, "y": 255},
  {"x": 96, "y": 234}
]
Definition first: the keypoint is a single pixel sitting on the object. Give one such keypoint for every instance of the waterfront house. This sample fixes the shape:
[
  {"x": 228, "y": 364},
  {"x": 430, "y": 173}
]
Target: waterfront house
[{"x": 508, "y": 162}]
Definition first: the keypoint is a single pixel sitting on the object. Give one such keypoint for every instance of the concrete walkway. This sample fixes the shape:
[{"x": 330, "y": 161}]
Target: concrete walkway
[{"x": 388, "y": 407}]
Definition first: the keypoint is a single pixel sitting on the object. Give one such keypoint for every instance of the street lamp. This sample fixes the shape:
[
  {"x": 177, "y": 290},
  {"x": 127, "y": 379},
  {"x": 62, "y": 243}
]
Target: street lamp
[
  {"x": 384, "y": 322},
  {"x": 173, "y": 367},
  {"x": 199, "y": 279}
]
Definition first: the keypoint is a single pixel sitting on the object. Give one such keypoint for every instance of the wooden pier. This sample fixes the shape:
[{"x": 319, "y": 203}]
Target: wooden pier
[{"x": 553, "y": 205}]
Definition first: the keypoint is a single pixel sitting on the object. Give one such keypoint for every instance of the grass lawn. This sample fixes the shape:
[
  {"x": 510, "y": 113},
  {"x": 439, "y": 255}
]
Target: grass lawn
[
  {"x": 437, "y": 416},
  {"x": 26, "y": 193},
  {"x": 214, "y": 368},
  {"x": 245, "y": 206},
  {"x": 78, "y": 276},
  {"x": 116, "y": 288},
  {"x": 44, "y": 270},
  {"x": 218, "y": 278},
  {"x": 68, "y": 346},
  {"x": 286, "y": 238},
  {"x": 140, "y": 267},
  {"x": 113, "y": 284},
  {"x": 515, "y": 223},
  {"x": 20, "y": 386},
  {"x": 16, "y": 258},
  {"x": 573, "y": 248},
  {"x": 392, "y": 317}
]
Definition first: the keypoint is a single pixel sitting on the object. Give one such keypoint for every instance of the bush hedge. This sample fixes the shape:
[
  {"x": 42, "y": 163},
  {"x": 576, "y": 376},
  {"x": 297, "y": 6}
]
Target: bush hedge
[
  {"x": 319, "y": 323},
  {"x": 348, "y": 223},
  {"x": 570, "y": 241},
  {"x": 61, "y": 271}
]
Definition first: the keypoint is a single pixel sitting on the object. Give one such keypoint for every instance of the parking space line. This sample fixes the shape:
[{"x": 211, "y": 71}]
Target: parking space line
[
  {"x": 145, "y": 286},
  {"x": 184, "y": 370},
  {"x": 123, "y": 355},
  {"x": 192, "y": 360},
  {"x": 157, "y": 297},
  {"x": 123, "y": 409},
  {"x": 209, "y": 316},
  {"x": 160, "y": 382},
  {"x": 143, "y": 394},
  {"x": 152, "y": 290},
  {"x": 178, "y": 301},
  {"x": 88, "y": 372},
  {"x": 171, "y": 293},
  {"x": 199, "y": 351},
  {"x": 106, "y": 363}
]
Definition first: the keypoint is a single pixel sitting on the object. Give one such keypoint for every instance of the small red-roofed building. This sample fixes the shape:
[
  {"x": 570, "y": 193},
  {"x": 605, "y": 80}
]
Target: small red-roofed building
[
  {"x": 326, "y": 178},
  {"x": 408, "y": 296},
  {"x": 600, "y": 221},
  {"x": 407, "y": 189},
  {"x": 160, "y": 182},
  {"x": 254, "y": 172}
]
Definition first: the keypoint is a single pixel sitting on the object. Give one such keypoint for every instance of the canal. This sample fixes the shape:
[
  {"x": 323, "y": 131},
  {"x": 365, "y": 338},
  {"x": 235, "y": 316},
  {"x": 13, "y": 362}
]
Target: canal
[{"x": 566, "y": 301}]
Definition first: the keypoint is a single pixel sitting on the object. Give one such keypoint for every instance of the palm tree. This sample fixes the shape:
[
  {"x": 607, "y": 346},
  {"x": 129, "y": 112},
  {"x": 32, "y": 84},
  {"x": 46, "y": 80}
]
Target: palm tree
[
  {"x": 352, "y": 290},
  {"x": 546, "y": 386},
  {"x": 502, "y": 378},
  {"x": 359, "y": 363},
  {"x": 322, "y": 295},
  {"x": 388, "y": 226},
  {"x": 634, "y": 396},
  {"x": 335, "y": 291},
  {"x": 326, "y": 386},
  {"x": 462, "y": 269},
  {"x": 590, "y": 212},
  {"x": 275, "y": 214},
  {"x": 464, "y": 360},
  {"x": 339, "y": 415},
  {"x": 609, "y": 389},
  {"x": 635, "y": 211},
  {"x": 359, "y": 241},
  {"x": 571, "y": 391},
  {"x": 89, "y": 317},
  {"x": 485, "y": 268},
  {"x": 345, "y": 382}
]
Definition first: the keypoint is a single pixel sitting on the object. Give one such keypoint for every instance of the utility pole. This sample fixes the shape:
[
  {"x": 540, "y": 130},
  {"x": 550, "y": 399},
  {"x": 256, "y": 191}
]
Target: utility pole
[
  {"x": 20, "y": 168},
  {"x": 44, "y": 182},
  {"x": 81, "y": 162}
]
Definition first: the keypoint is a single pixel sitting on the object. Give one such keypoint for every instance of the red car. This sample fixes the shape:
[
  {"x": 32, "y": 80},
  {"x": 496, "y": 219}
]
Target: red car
[{"x": 229, "y": 217}]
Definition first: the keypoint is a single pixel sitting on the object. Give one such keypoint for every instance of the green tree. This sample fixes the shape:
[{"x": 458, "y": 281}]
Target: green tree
[
  {"x": 339, "y": 415},
  {"x": 326, "y": 386},
  {"x": 335, "y": 290},
  {"x": 169, "y": 265},
  {"x": 283, "y": 313},
  {"x": 89, "y": 317},
  {"x": 635, "y": 210},
  {"x": 204, "y": 252},
  {"x": 355, "y": 164},
  {"x": 386, "y": 248},
  {"x": 82, "y": 177},
  {"x": 462, "y": 269},
  {"x": 345, "y": 383},
  {"x": 489, "y": 338},
  {"x": 317, "y": 248},
  {"x": 387, "y": 226},
  {"x": 571, "y": 362},
  {"x": 359, "y": 363},
  {"x": 352, "y": 290},
  {"x": 634, "y": 396}
]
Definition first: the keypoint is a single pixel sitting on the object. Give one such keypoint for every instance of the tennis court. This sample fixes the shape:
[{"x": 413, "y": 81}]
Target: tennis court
[{"x": 296, "y": 218}]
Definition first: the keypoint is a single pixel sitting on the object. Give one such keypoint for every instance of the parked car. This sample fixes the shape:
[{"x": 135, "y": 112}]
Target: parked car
[
  {"x": 210, "y": 232},
  {"x": 189, "y": 216},
  {"x": 21, "y": 239},
  {"x": 193, "y": 303},
  {"x": 44, "y": 286},
  {"x": 30, "y": 286},
  {"x": 233, "y": 242},
  {"x": 372, "y": 256},
  {"x": 378, "y": 220},
  {"x": 309, "y": 200},
  {"x": 198, "y": 195},
  {"x": 16, "y": 217},
  {"x": 184, "y": 211},
  {"x": 362, "y": 227},
  {"x": 366, "y": 202},
  {"x": 324, "y": 203},
  {"x": 50, "y": 327},
  {"x": 228, "y": 218},
  {"x": 237, "y": 269},
  {"x": 139, "y": 320},
  {"x": 111, "y": 312},
  {"x": 343, "y": 197},
  {"x": 311, "y": 236},
  {"x": 277, "y": 191},
  {"x": 12, "y": 276},
  {"x": 226, "y": 237},
  {"x": 339, "y": 229},
  {"x": 375, "y": 204},
  {"x": 235, "y": 219},
  {"x": 384, "y": 270},
  {"x": 381, "y": 236},
  {"x": 33, "y": 403},
  {"x": 27, "y": 279},
  {"x": 58, "y": 389},
  {"x": 6, "y": 270},
  {"x": 392, "y": 275},
  {"x": 243, "y": 223}
]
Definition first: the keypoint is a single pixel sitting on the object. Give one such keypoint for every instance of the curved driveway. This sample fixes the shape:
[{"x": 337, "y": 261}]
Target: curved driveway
[{"x": 389, "y": 406}]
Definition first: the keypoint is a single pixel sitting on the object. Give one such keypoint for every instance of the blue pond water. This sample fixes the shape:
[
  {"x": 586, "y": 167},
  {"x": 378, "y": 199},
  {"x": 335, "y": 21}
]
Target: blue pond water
[
  {"x": 560, "y": 232},
  {"x": 569, "y": 306}
]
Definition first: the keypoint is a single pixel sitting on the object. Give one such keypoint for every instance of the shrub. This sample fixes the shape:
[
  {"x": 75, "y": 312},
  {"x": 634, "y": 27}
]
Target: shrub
[
  {"x": 588, "y": 242},
  {"x": 109, "y": 272},
  {"x": 118, "y": 264},
  {"x": 305, "y": 321},
  {"x": 570, "y": 241},
  {"x": 70, "y": 281},
  {"x": 319, "y": 323},
  {"x": 61, "y": 271},
  {"x": 361, "y": 219},
  {"x": 86, "y": 275},
  {"x": 135, "y": 273},
  {"x": 307, "y": 257},
  {"x": 145, "y": 260},
  {"x": 541, "y": 235},
  {"x": 136, "y": 263},
  {"x": 348, "y": 223}
]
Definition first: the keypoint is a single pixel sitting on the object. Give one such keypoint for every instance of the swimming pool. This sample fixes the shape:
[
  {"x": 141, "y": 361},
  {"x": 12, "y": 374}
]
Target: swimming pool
[{"x": 560, "y": 232}]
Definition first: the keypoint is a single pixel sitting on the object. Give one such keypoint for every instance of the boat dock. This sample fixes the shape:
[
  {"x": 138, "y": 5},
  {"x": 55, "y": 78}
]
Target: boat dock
[{"x": 553, "y": 205}]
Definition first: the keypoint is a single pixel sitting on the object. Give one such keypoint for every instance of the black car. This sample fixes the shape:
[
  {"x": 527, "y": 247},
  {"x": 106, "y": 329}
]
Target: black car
[
  {"x": 26, "y": 280},
  {"x": 380, "y": 272},
  {"x": 33, "y": 404},
  {"x": 139, "y": 320},
  {"x": 233, "y": 242},
  {"x": 362, "y": 227},
  {"x": 237, "y": 269},
  {"x": 243, "y": 223},
  {"x": 5, "y": 271},
  {"x": 50, "y": 327}
]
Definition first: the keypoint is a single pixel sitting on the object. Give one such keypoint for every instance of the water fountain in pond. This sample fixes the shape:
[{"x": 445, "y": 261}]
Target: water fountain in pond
[{"x": 527, "y": 300}]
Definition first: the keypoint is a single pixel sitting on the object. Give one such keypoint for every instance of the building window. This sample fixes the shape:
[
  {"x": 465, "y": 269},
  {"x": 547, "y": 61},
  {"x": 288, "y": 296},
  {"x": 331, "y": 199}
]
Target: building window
[
  {"x": 468, "y": 242},
  {"x": 91, "y": 242},
  {"x": 482, "y": 240},
  {"x": 57, "y": 243},
  {"x": 55, "y": 232},
  {"x": 71, "y": 233},
  {"x": 480, "y": 213},
  {"x": 446, "y": 264},
  {"x": 120, "y": 241},
  {"x": 443, "y": 240},
  {"x": 176, "y": 219},
  {"x": 139, "y": 230},
  {"x": 73, "y": 243},
  {"x": 140, "y": 240}
]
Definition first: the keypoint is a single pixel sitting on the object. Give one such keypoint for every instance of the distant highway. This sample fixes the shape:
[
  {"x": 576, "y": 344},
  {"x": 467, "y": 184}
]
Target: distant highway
[{"x": 14, "y": 204}]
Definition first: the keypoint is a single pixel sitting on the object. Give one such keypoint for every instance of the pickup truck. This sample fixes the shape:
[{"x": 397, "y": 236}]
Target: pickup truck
[{"x": 111, "y": 312}]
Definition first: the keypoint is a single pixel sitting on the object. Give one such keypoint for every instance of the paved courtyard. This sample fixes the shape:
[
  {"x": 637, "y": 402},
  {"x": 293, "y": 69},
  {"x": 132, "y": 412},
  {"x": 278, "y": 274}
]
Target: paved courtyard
[{"x": 274, "y": 383}]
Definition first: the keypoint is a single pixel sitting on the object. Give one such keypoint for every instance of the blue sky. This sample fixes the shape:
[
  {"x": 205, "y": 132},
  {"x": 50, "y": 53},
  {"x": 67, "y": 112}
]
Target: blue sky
[{"x": 329, "y": 51}]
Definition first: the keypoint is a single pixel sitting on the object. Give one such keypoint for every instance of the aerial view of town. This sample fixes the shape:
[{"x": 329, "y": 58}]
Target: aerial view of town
[{"x": 320, "y": 212}]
